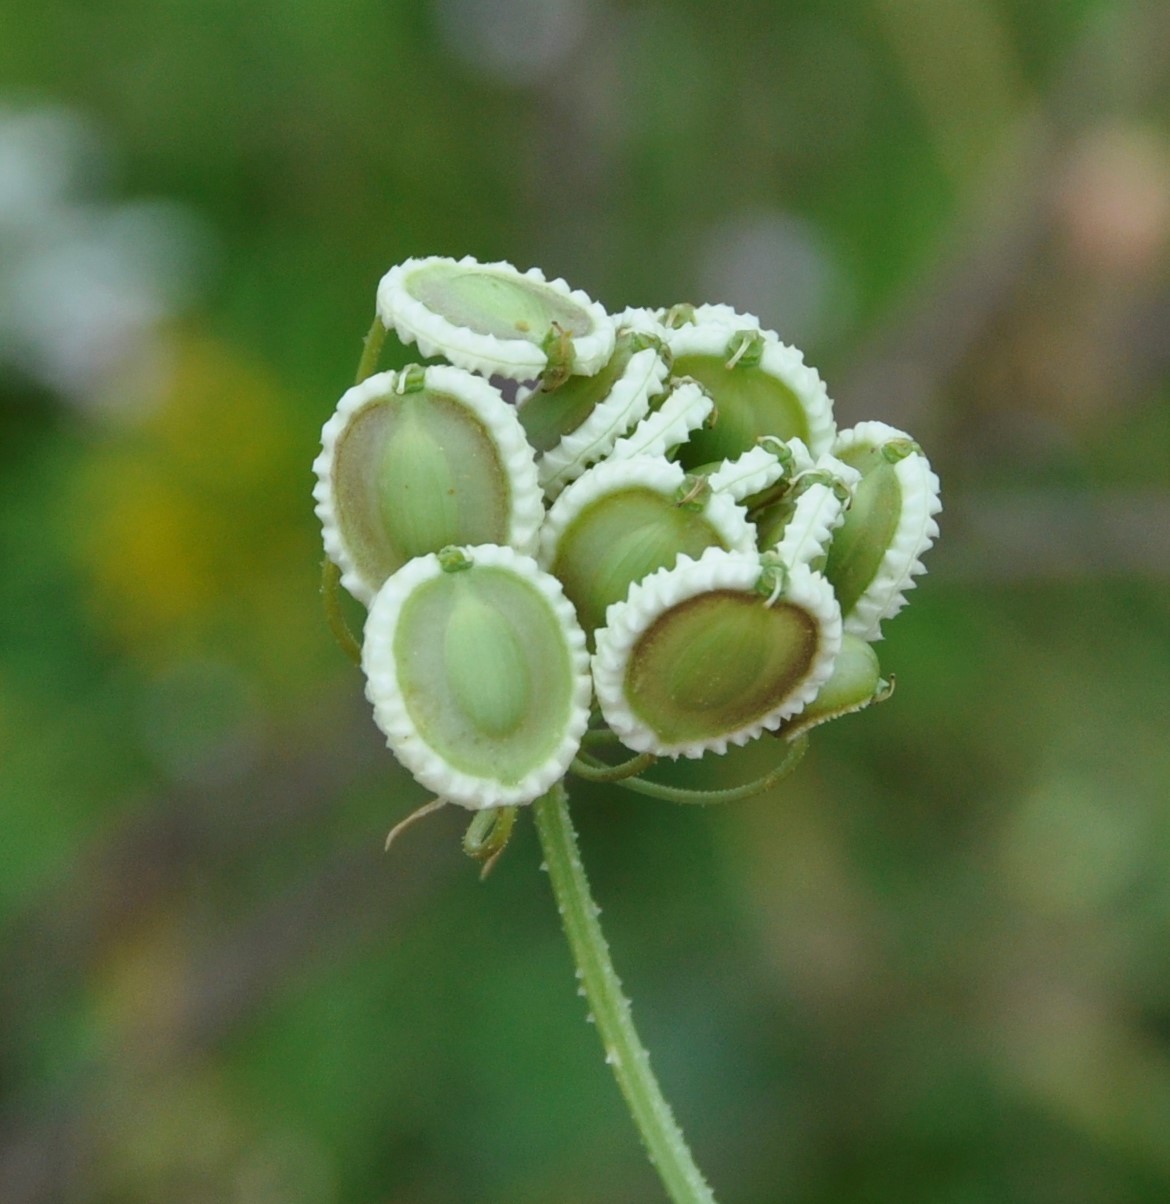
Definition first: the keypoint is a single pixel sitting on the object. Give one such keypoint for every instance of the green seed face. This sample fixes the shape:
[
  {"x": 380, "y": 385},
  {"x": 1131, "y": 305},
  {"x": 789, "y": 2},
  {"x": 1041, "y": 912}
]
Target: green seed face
[
  {"x": 771, "y": 521},
  {"x": 855, "y": 680},
  {"x": 549, "y": 415},
  {"x": 855, "y": 555},
  {"x": 717, "y": 663},
  {"x": 413, "y": 473},
  {"x": 485, "y": 672},
  {"x": 749, "y": 403},
  {"x": 491, "y": 303},
  {"x": 620, "y": 539}
]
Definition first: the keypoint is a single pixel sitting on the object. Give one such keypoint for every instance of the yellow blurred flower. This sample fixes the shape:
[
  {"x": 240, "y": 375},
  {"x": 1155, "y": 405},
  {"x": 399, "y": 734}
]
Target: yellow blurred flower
[{"x": 191, "y": 524}]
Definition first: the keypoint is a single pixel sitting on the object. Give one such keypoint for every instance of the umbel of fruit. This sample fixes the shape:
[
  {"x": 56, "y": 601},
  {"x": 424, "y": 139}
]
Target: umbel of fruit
[{"x": 667, "y": 532}]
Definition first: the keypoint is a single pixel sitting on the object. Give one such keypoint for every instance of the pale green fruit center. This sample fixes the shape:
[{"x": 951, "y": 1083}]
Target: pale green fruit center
[
  {"x": 485, "y": 670},
  {"x": 718, "y": 663},
  {"x": 486, "y": 666},
  {"x": 412, "y": 474},
  {"x": 860, "y": 543},
  {"x": 749, "y": 402},
  {"x": 418, "y": 497},
  {"x": 620, "y": 539},
  {"x": 493, "y": 303}
]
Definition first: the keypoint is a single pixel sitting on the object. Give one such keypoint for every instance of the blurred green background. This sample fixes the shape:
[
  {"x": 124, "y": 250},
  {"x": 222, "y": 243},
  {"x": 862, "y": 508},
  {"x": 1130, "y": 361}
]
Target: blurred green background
[{"x": 933, "y": 967}]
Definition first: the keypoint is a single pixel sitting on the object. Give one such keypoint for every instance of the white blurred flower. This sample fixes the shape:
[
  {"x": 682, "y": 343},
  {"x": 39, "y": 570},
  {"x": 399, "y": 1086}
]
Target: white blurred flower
[{"x": 85, "y": 283}]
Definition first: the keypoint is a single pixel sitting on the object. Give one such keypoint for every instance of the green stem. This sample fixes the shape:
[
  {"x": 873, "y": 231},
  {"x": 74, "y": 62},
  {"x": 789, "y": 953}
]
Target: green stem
[
  {"x": 704, "y": 798},
  {"x": 331, "y": 596},
  {"x": 597, "y": 772},
  {"x": 611, "y": 1010},
  {"x": 371, "y": 350},
  {"x": 601, "y": 735}
]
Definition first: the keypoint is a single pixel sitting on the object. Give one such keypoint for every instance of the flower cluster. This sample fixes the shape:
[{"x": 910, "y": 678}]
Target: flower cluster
[{"x": 666, "y": 529}]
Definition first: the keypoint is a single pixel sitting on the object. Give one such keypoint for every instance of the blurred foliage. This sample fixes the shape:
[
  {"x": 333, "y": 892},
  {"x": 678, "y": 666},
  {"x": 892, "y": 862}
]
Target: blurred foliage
[{"x": 932, "y": 968}]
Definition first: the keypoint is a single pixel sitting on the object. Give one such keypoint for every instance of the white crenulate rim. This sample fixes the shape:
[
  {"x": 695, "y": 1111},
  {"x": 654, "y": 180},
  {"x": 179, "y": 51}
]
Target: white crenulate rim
[
  {"x": 714, "y": 570},
  {"x": 756, "y": 469},
  {"x": 684, "y": 410},
  {"x": 816, "y": 514},
  {"x": 514, "y": 359},
  {"x": 390, "y": 711},
  {"x": 726, "y": 317},
  {"x": 779, "y": 360},
  {"x": 729, "y": 521},
  {"x": 626, "y": 404},
  {"x": 642, "y": 320},
  {"x": 485, "y": 403},
  {"x": 916, "y": 531}
]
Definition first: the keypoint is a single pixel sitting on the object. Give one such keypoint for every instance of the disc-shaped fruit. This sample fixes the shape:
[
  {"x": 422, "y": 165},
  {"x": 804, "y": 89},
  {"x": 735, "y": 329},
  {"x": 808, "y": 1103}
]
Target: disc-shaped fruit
[
  {"x": 416, "y": 460},
  {"x": 890, "y": 524},
  {"x": 477, "y": 671},
  {"x": 800, "y": 525},
  {"x": 713, "y": 652},
  {"x": 760, "y": 386},
  {"x": 494, "y": 319}
]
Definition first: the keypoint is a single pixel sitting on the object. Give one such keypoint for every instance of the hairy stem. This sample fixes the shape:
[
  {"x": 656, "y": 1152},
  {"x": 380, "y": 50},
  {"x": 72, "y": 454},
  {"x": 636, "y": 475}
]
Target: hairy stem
[
  {"x": 331, "y": 596},
  {"x": 703, "y": 798},
  {"x": 371, "y": 350},
  {"x": 611, "y": 1010},
  {"x": 598, "y": 772}
]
